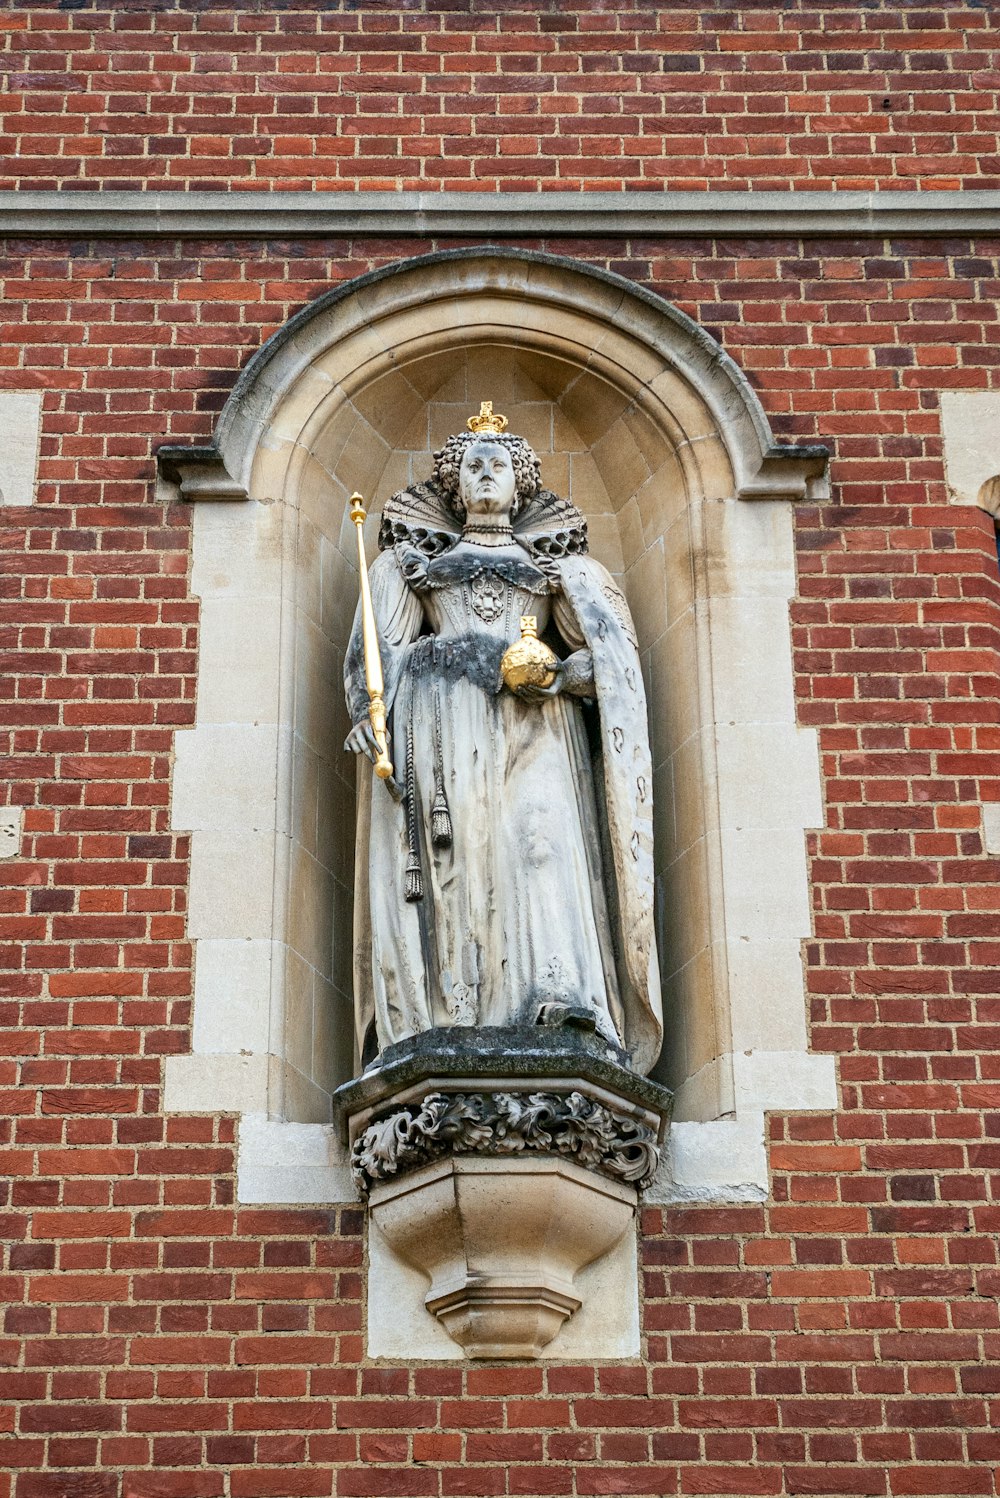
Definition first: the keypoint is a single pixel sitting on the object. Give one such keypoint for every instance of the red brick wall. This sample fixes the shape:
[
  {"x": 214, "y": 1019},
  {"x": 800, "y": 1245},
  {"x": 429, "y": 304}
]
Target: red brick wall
[
  {"x": 540, "y": 93},
  {"x": 841, "y": 1338}
]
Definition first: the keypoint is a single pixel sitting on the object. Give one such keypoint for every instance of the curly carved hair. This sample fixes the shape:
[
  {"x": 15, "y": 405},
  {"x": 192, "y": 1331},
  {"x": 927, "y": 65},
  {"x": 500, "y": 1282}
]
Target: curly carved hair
[{"x": 527, "y": 469}]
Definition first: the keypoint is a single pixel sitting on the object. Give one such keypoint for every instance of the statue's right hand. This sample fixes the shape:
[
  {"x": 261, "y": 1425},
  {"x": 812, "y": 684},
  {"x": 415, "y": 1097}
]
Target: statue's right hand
[
  {"x": 361, "y": 740},
  {"x": 413, "y": 565}
]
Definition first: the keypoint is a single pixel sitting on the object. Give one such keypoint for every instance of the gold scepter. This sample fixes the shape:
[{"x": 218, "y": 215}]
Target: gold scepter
[{"x": 373, "y": 659}]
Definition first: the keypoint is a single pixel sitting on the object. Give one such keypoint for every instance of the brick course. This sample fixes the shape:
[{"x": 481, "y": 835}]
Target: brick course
[
  {"x": 841, "y": 1338},
  {"x": 465, "y": 94}
]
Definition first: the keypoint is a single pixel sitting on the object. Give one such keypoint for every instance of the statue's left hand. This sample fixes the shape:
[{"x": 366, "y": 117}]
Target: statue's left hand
[
  {"x": 574, "y": 676},
  {"x": 538, "y": 694}
]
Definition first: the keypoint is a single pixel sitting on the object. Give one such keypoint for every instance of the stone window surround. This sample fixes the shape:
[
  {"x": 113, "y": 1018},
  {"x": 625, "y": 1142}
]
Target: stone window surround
[{"x": 719, "y": 453}]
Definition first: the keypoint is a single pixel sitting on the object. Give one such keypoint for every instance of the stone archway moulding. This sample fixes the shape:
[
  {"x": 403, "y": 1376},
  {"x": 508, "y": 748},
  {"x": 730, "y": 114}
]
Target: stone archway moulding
[
  {"x": 614, "y": 317},
  {"x": 663, "y": 437}
]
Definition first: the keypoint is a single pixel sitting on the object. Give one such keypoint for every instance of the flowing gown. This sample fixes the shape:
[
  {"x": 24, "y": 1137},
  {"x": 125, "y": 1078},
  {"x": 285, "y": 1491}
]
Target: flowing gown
[{"x": 486, "y": 897}]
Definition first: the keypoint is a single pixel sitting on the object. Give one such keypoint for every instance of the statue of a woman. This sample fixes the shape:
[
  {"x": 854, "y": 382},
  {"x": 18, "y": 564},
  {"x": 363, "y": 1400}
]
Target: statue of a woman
[{"x": 506, "y": 876}]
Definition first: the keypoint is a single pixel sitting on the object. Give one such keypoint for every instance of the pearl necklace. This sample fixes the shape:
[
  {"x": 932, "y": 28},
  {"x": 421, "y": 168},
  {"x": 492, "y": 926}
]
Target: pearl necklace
[{"x": 488, "y": 535}]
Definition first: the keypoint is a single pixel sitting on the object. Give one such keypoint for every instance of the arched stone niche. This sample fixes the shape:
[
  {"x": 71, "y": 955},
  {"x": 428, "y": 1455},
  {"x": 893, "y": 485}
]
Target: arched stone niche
[{"x": 655, "y": 433}]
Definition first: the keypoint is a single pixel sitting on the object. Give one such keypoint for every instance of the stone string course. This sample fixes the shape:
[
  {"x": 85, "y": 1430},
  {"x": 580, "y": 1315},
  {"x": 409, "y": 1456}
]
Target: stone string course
[{"x": 841, "y": 1338}]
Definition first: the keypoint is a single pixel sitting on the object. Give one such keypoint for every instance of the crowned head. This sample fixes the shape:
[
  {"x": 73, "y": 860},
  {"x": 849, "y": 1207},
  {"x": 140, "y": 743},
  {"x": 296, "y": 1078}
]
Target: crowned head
[{"x": 487, "y": 466}]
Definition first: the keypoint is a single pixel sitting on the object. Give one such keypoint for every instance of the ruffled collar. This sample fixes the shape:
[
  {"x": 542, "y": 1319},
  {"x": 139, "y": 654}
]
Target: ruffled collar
[{"x": 548, "y": 527}]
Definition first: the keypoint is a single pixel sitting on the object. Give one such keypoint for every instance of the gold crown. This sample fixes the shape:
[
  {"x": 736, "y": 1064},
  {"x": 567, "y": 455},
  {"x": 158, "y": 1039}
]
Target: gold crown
[{"x": 486, "y": 424}]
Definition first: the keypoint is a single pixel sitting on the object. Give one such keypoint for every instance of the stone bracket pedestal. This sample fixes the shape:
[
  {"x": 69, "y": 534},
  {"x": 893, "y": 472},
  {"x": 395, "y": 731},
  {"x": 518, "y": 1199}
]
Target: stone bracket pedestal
[
  {"x": 500, "y": 1164},
  {"x": 503, "y": 1241}
]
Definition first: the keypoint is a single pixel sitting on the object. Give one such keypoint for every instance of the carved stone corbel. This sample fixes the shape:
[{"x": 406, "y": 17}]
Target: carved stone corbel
[
  {"x": 502, "y": 1241},
  {"x": 199, "y": 473},
  {"x": 501, "y": 1163},
  {"x": 792, "y": 471}
]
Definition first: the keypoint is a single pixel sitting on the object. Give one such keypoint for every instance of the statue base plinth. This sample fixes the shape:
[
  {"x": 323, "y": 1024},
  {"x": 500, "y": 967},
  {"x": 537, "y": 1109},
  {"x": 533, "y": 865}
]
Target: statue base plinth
[{"x": 500, "y": 1163}]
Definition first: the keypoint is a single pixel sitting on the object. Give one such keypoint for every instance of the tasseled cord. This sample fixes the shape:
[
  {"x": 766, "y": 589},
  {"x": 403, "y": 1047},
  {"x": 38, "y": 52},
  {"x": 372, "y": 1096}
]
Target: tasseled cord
[
  {"x": 440, "y": 821},
  {"x": 441, "y": 830},
  {"x": 414, "y": 890},
  {"x": 413, "y": 886}
]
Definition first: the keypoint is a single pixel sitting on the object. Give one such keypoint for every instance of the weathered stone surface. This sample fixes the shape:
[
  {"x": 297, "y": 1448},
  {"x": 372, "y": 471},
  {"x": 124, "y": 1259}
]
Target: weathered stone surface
[
  {"x": 20, "y": 425},
  {"x": 481, "y": 214},
  {"x": 465, "y": 1059}
]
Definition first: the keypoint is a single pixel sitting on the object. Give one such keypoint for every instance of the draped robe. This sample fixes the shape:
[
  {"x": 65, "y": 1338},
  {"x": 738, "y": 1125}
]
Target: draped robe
[{"x": 543, "y": 890}]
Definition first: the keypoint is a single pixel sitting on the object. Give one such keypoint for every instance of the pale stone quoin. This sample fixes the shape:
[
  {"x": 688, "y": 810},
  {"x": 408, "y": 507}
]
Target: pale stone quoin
[
  {"x": 20, "y": 427},
  {"x": 970, "y": 431},
  {"x": 970, "y": 434},
  {"x": 11, "y": 824}
]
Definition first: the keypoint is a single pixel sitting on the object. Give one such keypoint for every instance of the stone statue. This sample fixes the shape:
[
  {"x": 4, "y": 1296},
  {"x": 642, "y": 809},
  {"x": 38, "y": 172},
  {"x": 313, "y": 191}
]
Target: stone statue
[{"x": 504, "y": 875}]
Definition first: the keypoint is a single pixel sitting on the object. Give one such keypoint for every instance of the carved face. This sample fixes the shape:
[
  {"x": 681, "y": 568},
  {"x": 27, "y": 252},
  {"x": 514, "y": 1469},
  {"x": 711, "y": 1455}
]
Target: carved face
[{"x": 486, "y": 479}]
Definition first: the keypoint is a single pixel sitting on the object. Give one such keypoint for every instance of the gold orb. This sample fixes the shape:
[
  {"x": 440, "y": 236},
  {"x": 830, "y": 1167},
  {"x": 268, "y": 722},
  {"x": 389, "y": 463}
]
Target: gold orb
[{"x": 528, "y": 662}]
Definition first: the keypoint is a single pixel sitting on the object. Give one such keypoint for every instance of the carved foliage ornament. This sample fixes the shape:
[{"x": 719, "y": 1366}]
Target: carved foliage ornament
[{"x": 506, "y": 1123}]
